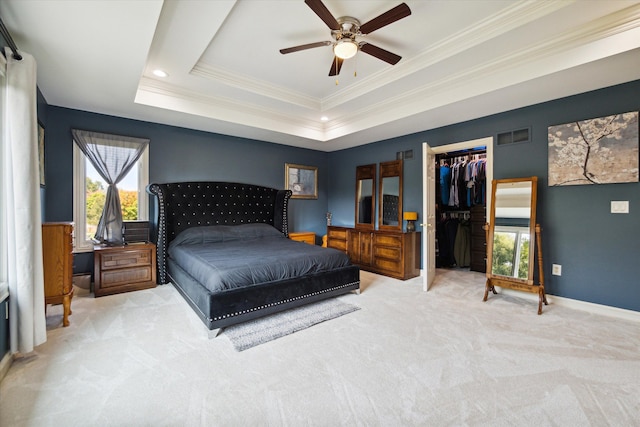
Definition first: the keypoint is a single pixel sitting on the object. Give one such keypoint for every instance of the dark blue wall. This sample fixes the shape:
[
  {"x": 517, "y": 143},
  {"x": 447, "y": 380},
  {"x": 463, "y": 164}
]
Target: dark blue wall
[
  {"x": 178, "y": 154},
  {"x": 598, "y": 250}
]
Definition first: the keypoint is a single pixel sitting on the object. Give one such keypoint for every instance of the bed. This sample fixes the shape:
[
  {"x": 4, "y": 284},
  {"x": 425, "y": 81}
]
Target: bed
[{"x": 205, "y": 233}]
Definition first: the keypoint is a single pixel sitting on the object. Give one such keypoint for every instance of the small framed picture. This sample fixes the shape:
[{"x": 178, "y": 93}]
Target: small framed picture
[{"x": 301, "y": 180}]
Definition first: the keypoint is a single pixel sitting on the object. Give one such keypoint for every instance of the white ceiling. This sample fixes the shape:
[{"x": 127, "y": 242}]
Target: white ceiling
[{"x": 461, "y": 59}]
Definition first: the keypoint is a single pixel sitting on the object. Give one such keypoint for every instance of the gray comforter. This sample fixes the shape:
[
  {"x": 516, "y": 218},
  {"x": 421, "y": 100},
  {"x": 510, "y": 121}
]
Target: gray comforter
[{"x": 227, "y": 257}]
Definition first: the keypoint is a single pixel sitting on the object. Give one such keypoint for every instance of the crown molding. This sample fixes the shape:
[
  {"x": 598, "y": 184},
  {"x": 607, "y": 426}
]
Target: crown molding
[
  {"x": 158, "y": 94},
  {"x": 256, "y": 86}
]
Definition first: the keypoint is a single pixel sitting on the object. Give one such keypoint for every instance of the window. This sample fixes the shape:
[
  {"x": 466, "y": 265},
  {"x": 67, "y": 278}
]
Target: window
[
  {"x": 89, "y": 190},
  {"x": 511, "y": 251}
]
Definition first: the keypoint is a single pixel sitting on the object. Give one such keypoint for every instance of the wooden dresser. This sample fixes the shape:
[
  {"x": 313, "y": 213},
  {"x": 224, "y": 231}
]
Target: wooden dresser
[
  {"x": 124, "y": 268},
  {"x": 304, "y": 236},
  {"x": 478, "y": 240},
  {"x": 57, "y": 259},
  {"x": 390, "y": 253}
]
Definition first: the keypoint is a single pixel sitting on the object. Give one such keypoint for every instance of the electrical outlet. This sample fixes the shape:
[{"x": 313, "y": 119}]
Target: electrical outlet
[
  {"x": 619, "y": 206},
  {"x": 556, "y": 270}
]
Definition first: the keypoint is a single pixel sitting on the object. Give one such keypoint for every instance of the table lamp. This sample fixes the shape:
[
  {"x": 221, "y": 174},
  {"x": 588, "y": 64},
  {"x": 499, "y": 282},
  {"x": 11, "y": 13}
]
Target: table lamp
[{"x": 410, "y": 217}]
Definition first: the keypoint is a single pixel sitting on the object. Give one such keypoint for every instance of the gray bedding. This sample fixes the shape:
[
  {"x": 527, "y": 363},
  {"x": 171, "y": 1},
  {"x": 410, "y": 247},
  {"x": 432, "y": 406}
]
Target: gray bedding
[{"x": 227, "y": 257}]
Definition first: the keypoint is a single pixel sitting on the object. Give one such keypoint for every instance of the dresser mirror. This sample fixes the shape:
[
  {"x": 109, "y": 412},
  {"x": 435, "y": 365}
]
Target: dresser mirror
[
  {"x": 513, "y": 237},
  {"x": 365, "y": 196},
  {"x": 390, "y": 196}
]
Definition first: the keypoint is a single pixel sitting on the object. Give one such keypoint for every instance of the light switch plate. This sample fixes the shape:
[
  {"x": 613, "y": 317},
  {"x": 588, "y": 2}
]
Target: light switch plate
[
  {"x": 619, "y": 206},
  {"x": 556, "y": 270}
]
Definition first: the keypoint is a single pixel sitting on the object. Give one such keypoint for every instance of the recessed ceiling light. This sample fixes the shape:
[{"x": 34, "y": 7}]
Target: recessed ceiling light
[
  {"x": 160, "y": 73},
  {"x": 324, "y": 118}
]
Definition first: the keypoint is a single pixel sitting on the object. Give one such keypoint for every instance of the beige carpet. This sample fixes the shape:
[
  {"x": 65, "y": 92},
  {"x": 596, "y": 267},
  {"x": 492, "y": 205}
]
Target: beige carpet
[{"x": 406, "y": 358}]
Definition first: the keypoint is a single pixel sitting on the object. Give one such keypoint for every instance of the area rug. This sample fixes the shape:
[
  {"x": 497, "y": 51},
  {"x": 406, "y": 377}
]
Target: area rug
[{"x": 250, "y": 334}]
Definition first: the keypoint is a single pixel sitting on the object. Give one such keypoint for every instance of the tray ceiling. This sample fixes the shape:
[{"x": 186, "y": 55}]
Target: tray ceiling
[{"x": 460, "y": 60}]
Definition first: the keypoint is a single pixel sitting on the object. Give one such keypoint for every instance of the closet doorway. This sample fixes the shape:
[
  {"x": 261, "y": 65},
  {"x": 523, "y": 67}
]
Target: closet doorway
[{"x": 429, "y": 197}]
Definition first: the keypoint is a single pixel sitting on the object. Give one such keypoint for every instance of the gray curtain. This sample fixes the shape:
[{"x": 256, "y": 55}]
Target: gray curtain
[{"x": 113, "y": 156}]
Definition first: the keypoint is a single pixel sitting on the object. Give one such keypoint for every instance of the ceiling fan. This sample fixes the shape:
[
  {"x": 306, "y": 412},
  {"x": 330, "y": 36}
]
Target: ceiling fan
[{"x": 344, "y": 31}]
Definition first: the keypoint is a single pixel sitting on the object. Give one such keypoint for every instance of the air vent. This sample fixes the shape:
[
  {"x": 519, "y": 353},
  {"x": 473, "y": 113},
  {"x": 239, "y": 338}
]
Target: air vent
[
  {"x": 514, "y": 136},
  {"x": 404, "y": 155}
]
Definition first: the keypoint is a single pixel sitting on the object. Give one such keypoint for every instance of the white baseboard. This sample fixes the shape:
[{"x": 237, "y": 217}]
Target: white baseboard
[
  {"x": 5, "y": 364},
  {"x": 590, "y": 307}
]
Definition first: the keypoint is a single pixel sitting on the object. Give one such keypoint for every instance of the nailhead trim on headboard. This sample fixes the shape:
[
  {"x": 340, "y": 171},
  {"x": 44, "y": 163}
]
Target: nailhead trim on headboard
[{"x": 182, "y": 205}]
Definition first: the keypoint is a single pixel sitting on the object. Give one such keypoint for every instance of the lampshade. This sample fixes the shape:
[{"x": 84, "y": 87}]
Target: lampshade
[
  {"x": 345, "y": 48},
  {"x": 410, "y": 216}
]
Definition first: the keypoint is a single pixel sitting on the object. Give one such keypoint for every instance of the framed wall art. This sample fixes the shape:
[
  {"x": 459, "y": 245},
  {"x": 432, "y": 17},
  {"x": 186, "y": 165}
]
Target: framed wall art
[
  {"x": 301, "y": 180},
  {"x": 595, "y": 151}
]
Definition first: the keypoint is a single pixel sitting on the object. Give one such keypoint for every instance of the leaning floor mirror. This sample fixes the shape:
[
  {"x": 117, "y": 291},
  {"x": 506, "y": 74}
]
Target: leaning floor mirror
[{"x": 513, "y": 239}]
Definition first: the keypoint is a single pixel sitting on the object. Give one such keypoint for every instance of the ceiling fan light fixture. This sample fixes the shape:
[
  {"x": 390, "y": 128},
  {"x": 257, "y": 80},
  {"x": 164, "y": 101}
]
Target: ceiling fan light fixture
[{"x": 345, "y": 48}]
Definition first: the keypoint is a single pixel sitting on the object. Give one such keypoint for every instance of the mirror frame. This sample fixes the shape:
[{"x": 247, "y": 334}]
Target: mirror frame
[
  {"x": 532, "y": 227},
  {"x": 535, "y": 248},
  {"x": 366, "y": 172},
  {"x": 390, "y": 169}
]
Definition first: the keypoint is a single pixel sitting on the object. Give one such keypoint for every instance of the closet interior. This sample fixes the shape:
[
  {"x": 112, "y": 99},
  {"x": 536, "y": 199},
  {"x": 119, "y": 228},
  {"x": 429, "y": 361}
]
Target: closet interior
[{"x": 461, "y": 197}]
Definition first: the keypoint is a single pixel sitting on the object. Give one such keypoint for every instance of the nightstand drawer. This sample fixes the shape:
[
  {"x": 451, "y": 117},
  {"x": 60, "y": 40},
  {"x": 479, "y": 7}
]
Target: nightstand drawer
[
  {"x": 126, "y": 258},
  {"x": 125, "y": 276}
]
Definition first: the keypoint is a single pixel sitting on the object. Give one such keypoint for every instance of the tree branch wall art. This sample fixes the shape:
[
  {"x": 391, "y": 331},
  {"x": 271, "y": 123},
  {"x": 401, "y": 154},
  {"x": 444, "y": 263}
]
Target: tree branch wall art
[{"x": 594, "y": 151}]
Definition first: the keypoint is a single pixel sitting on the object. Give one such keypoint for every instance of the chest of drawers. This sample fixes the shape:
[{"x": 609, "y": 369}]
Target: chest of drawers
[
  {"x": 57, "y": 260},
  {"x": 391, "y": 253}
]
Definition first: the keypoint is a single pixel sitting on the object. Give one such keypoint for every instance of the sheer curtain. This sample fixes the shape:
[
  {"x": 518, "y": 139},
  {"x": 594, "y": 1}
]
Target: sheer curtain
[
  {"x": 112, "y": 156},
  {"x": 20, "y": 202}
]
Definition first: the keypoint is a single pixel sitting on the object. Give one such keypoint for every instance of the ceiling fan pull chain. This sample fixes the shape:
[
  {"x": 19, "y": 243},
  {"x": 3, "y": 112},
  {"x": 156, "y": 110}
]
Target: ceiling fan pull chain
[{"x": 355, "y": 68}]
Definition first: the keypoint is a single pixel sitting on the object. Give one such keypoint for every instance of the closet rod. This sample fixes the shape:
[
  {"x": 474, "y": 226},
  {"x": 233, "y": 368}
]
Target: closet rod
[{"x": 7, "y": 37}]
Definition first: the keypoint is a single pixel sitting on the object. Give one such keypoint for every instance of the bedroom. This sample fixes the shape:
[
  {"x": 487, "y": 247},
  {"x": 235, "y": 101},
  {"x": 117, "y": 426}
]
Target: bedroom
[{"x": 597, "y": 250}]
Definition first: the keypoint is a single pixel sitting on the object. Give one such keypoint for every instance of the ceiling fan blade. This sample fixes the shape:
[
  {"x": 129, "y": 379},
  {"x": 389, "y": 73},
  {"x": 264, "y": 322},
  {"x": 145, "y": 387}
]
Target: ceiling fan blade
[
  {"x": 380, "y": 53},
  {"x": 321, "y": 10},
  {"x": 304, "y": 47},
  {"x": 336, "y": 65},
  {"x": 389, "y": 17}
]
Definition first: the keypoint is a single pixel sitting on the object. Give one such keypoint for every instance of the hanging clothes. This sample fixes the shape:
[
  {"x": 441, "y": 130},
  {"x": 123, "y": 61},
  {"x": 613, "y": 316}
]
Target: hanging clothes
[
  {"x": 445, "y": 183},
  {"x": 462, "y": 244},
  {"x": 446, "y": 232},
  {"x": 461, "y": 184},
  {"x": 475, "y": 182}
]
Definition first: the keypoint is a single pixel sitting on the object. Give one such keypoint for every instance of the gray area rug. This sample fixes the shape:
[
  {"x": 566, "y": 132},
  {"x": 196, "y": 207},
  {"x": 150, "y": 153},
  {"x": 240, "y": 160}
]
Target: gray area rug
[{"x": 250, "y": 334}]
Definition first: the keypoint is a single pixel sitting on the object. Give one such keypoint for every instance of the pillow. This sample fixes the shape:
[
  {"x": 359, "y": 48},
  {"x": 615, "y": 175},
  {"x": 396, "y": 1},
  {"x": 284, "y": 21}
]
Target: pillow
[{"x": 225, "y": 233}]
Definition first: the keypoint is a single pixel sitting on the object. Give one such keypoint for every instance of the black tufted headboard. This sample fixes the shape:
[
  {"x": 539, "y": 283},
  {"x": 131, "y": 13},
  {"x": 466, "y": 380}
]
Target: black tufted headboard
[
  {"x": 390, "y": 209},
  {"x": 182, "y": 205}
]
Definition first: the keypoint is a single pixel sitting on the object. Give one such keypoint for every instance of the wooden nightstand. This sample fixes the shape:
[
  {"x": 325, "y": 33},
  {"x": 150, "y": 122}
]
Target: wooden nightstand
[
  {"x": 304, "y": 236},
  {"x": 124, "y": 268}
]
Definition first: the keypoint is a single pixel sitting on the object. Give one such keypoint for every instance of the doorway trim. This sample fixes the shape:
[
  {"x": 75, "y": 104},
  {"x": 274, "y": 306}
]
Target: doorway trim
[{"x": 427, "y": 278}]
